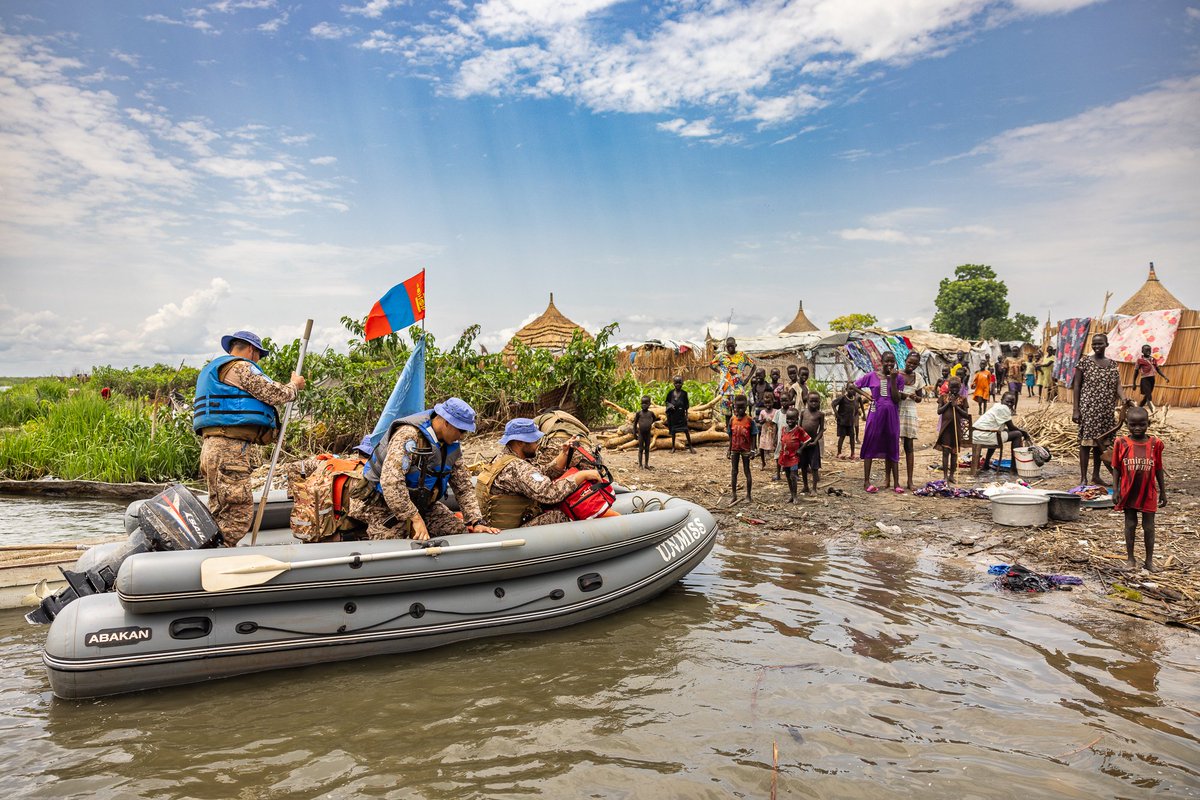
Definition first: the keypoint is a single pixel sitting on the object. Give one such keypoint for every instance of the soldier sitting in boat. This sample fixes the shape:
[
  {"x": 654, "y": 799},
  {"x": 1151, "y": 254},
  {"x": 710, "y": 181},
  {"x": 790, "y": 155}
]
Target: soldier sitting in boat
[
  {"x": 512, "y": 491},
  {"x": 409, "y": 472}
]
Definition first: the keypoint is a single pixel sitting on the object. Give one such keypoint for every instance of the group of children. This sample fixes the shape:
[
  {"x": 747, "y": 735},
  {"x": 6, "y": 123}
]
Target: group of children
[{"x": 786, "y": 423}]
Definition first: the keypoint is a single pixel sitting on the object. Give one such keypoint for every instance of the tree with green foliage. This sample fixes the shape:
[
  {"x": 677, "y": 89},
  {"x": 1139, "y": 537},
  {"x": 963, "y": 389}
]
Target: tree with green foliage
[
  {"x": 852, "y": 322},
  {"x": 1018, "y": 327},
  {"x": 974, "y": 294}
]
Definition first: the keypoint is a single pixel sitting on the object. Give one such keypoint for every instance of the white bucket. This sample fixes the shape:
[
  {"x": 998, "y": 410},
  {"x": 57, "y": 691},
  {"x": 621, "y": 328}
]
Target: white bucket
[{"x": 1026, "y": 466}]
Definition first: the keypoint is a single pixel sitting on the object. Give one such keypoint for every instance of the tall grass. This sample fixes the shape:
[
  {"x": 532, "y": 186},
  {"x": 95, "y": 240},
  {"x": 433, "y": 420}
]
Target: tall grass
[
  {"x": 31, "y": 399},
  {"x": 86, "y": 438}
]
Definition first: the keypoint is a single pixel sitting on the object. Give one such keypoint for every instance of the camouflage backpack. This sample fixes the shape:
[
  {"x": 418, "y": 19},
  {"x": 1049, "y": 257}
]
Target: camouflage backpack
[
  {"x": 559, "y": 426},
  {"x": 321, "y": 496}
]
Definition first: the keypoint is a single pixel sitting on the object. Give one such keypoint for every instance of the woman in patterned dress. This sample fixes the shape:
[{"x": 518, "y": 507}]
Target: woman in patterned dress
[{"x": 1096, "y": 390}]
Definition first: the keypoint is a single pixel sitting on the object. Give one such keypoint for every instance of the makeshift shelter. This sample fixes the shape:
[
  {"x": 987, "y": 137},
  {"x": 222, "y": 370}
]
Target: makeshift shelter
[
  {"x": 551, "y": 331},
  {"x": 777, "y": 352},
  {"x": 1182, "y": 361},
  {"x": 663, "y": 359},
  {"x": 801, "y": 323},
  {"x": 843, "y": 357}
]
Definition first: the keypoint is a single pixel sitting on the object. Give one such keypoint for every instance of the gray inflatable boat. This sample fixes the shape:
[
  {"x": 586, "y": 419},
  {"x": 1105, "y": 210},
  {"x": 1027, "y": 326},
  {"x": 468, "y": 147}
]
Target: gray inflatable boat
[{"x": 196, "y": 615}]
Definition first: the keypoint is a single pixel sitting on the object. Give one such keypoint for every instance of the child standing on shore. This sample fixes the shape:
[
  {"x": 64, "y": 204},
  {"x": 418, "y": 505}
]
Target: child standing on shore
[
  {"x": 954, "y": 428},
  {"x": 768, "y": 428},
  {"x": 983, "y": 387},
  {"x": 845, "y": 413},
  {"x": 812, "y": 419},
  {"x": 1141, "y": 485},
  {"x": 677, "y": 413},
  {"x": 643, "y": 422},
  {"x": 742, "y": 434},
  {"x": 791, "y": 438}
]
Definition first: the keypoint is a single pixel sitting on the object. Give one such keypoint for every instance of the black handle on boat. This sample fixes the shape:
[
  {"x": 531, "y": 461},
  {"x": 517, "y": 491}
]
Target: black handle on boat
[{"x": 287, "y": 413}]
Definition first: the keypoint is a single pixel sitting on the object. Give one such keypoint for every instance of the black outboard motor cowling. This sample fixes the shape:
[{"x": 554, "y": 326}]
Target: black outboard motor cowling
[
  {"x": 173, "y": 520},
  {"x": 177, "y": 520}
]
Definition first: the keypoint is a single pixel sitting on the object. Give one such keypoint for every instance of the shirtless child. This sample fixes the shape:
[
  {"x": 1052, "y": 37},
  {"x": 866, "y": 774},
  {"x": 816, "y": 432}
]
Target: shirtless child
[
  {"x": 846, "y": 408},
  {"x": 643, "y": 421},
  {"x": 812, "y": 419}
]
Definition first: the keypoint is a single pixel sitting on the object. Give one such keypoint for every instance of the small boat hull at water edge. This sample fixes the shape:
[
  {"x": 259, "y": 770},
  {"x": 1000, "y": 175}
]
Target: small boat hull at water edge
[{"x": 97, "y": 646}]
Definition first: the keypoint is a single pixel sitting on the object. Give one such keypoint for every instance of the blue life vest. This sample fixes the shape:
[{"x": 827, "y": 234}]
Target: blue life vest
[
  {"x": 429, "y": 464},
  {"x": 219, "y": 404}
]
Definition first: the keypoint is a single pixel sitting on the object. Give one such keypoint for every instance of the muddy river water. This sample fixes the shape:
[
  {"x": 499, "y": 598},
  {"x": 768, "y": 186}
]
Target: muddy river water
[{"x": 869, "y": 673}]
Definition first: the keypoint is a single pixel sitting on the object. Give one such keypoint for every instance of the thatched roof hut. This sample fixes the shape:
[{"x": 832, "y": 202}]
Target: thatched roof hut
[
  {"x": 550, "y": 331},
  {"x": 1153, "y": 296},
  {"x": 801, "y": 324}
]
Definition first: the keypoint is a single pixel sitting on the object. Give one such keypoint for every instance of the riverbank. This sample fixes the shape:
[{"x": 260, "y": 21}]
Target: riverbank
[{"x": 1092, "y": 548}]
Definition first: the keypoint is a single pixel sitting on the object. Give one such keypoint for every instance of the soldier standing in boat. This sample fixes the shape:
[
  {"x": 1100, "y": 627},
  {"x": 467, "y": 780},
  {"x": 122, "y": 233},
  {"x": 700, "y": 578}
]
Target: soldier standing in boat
[
  {"x": 513, "y": 492},
  {"x": 409, "y": 472},
  {"x": 234, "y": 412}
]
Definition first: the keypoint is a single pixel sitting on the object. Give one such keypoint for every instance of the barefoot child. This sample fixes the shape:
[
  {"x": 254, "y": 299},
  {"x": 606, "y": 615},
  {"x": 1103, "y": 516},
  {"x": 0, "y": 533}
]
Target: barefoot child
[
  {"x": 845, "y": 412},
  {"x": 812, "y": 419},
  {"x": 742, "y": 434},
  {"x": 914, "y": 392},
  {"x": 1146, "y": 367},
  {"x": 954, "y": 429},
  {"x": 643, "y": 421},
  {"x": 983, "y": 388},
  {"x": 791, "y": 438},
  {"x": 768, "y": 430},
  {"x": 1141, "y": 486}
]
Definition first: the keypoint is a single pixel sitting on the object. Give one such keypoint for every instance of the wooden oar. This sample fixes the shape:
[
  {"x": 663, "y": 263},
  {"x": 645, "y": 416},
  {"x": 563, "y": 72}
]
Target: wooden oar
[
  {"x": 287, "y": 413},
  {"x": 235, "y": 572}
]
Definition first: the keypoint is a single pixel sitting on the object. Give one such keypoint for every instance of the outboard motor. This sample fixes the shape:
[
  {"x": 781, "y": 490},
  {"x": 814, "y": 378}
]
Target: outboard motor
[{"x": 173, "y": 520}]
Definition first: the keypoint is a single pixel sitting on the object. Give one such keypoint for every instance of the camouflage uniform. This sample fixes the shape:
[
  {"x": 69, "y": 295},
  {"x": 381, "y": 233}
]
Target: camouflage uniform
[
  {"x": 226, "y": 463},
  {"x": 397, "y": 503},
  {"x": 523, "y": 478}
]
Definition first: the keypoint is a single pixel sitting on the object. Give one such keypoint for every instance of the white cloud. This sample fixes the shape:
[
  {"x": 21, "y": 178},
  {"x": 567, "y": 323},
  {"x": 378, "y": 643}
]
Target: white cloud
[
  {"x": 323, "y": 161},
  {"x": 766, "y": 62},
  {"x": 695, "y": 129},
  {"x": 372, "y": 9},
  {"x": 327, "y": 30},
  {"x": 273, "y": 25},
  {"x": 886, "y": 235}
]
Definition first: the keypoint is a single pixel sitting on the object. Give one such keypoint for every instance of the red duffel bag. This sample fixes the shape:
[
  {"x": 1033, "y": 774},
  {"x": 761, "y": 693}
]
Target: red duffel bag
[{"x": 592, "y": 499}]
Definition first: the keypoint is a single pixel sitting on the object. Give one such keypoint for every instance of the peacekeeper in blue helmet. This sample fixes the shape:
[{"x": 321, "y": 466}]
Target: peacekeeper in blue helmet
[
  {"x": 409, "y": 472},
  {"x": 514, "y": 493},
  {"x": 234, "y": 412}
]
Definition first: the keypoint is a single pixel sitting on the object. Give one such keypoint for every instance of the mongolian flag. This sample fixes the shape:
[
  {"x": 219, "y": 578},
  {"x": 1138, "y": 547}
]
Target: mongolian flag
[{"x": 403, "y": 305}]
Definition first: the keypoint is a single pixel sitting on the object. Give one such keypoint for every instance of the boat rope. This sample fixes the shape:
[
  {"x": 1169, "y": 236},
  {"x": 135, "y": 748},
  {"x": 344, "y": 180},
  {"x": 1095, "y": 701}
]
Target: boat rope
[
  {"x": 416, "y": 611},
  {"x": 641, "y": 504}
]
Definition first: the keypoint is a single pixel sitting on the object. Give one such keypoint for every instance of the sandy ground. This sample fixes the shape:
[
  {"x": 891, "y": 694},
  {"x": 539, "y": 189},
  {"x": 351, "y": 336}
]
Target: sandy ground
[{"x": 1092, "y": 548}]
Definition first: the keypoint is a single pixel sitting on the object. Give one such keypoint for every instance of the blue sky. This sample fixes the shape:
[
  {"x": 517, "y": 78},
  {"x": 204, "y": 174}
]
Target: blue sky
[{"x": 171, "y": 172}]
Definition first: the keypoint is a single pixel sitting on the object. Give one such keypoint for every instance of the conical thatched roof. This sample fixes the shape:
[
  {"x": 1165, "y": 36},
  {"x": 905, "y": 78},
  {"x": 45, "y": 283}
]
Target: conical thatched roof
[
  {"x": 801, "y": 324},
  {"x": 1153, "y": 296},
  {"x": 550, "y": 331}
]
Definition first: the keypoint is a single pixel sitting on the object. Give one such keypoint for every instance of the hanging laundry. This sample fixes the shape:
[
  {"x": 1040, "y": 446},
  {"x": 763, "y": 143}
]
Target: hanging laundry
[{"x": 1072, "y": 339}]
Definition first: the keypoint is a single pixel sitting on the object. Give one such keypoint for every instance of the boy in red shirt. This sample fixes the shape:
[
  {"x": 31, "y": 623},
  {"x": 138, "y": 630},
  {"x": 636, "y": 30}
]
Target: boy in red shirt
[
  {"x": 791, "y": 439},
  {"x": 743, "y": 441},
  {"x": 1138, "y": 468}
]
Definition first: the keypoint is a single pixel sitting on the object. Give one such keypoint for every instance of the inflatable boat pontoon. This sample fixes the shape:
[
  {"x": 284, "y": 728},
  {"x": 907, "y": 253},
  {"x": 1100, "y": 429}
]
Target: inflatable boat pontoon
[{"x": 195, "y": 615}]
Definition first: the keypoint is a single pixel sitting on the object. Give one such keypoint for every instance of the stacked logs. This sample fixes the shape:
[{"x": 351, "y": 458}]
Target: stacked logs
[
  {"x": 1050, "y": 425},
  {"x": 701, "y": 423}
]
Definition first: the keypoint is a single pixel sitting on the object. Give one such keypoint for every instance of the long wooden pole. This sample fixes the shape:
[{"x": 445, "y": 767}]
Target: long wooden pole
[{"x": 287, "y": 413}]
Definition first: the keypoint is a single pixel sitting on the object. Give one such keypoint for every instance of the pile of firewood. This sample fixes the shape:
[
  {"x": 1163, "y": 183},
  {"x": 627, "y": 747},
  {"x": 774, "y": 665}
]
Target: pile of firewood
[
  {"x": 1050, "y": 425},
  {"x": 701, "y": 423}
]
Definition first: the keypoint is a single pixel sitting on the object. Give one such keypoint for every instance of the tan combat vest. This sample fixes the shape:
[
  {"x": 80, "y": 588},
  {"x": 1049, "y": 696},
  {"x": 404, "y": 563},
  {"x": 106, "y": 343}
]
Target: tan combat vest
[{"x": 502, "y": 510}]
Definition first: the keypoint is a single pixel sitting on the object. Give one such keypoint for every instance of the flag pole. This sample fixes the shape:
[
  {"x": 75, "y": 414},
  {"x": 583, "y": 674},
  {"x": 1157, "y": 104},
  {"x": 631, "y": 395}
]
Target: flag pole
[{"x": 287, "y": 412}]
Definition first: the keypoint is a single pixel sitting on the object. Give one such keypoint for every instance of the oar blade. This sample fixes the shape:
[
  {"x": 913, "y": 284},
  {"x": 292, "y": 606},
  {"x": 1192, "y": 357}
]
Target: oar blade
[{"x": 235, "y": 572}]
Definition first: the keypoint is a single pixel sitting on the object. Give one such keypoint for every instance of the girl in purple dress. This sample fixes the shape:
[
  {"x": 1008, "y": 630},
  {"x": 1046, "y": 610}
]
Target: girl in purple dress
[{"x": 881, "y": 438}]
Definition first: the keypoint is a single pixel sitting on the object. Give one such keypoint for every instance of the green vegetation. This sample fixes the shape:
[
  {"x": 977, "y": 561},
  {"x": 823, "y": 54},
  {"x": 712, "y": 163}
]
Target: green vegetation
[
  {"x": 83, "y": 437},
  {"x": 628, "y": 392},
  {"x": 63, "y": 427},
  {"x": 974, "y": 305},
  {"x": 31, "y": 399},
  {"x": 852, "y": 322}
]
